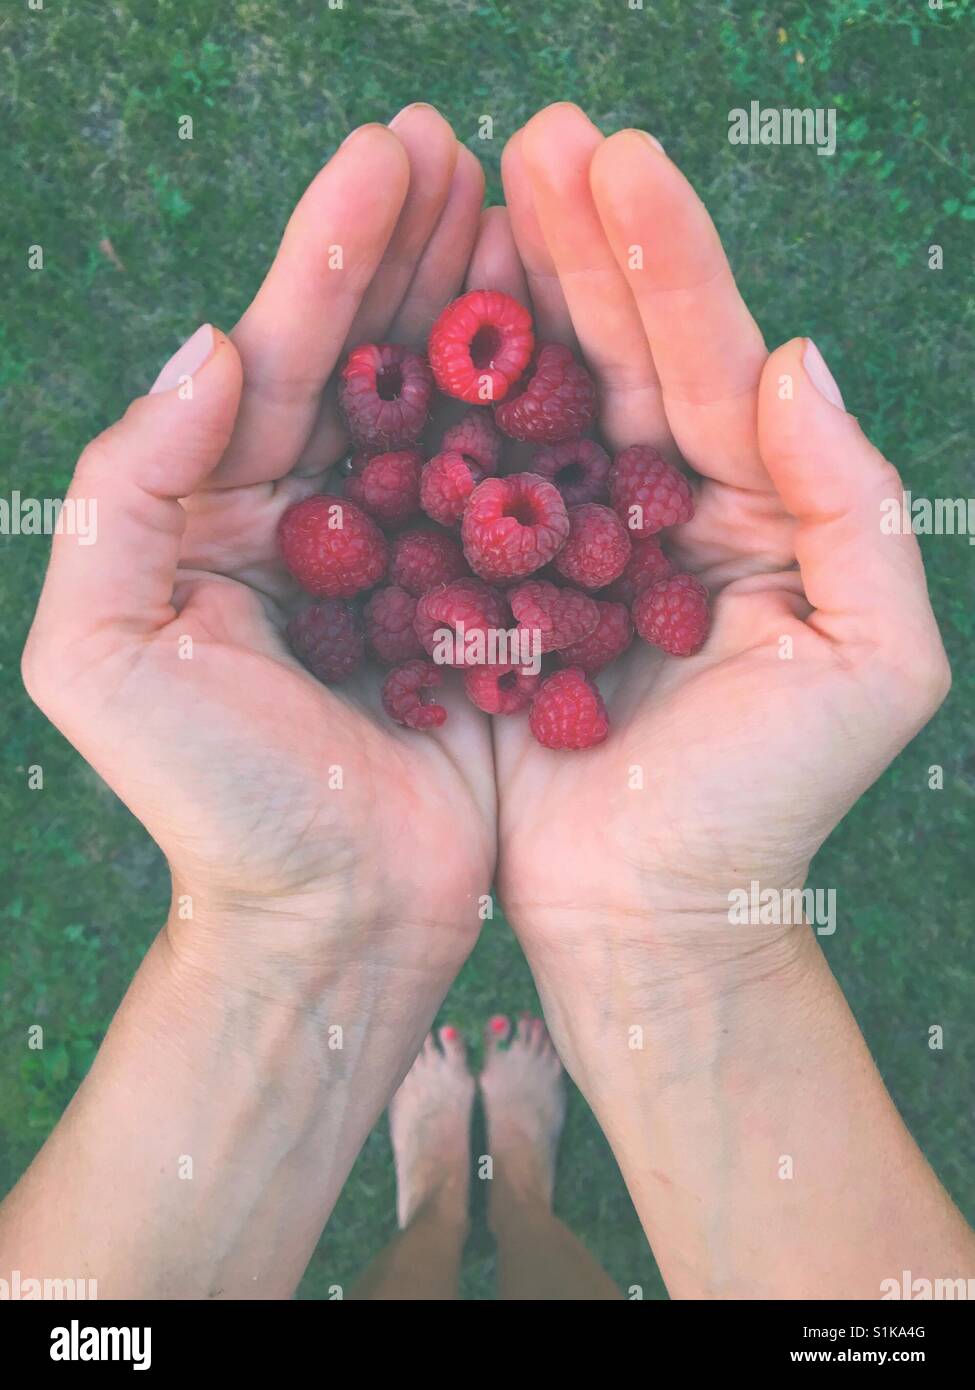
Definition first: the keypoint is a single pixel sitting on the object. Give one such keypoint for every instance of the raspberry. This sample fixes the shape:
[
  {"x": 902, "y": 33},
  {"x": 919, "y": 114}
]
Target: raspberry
[
  {"x": 500, "y": 689},
  {"x": 609, "y": 639},
  {"x": 568, "y": 711},
  {"x": 419, "y": 560},
  {"x": 466, "y": 603},
  {"x": 407, "y": 697},
  {"x": 476, "y": 437},
  {"x": 331, "y": 546},
  {"x": 559, "y": 616},
  {"x": 648, "y": 492},
  {"x": 512, "y": 526},
  {"x": 597, "y": 549},
  {"x": 555, "y": 399},
  {"x": 389, "y": 618},
  {"x": 445, "y": 485},
  {"x": 579, "y": 468},
  {"x": 673, "y": 614},
  {"x": 647, "y": 564},
  {"x": 327, "y": 638},
  {"x": 388, "y": 487},
  {"x": 480, "y": 345},
  {"x": 385, "y": 394}
]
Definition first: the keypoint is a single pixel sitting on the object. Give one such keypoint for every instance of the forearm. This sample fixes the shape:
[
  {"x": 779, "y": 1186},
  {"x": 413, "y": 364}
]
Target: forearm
[
  {"x": 761, "y": 1149},
  {"x": 203, "y": 1154}
]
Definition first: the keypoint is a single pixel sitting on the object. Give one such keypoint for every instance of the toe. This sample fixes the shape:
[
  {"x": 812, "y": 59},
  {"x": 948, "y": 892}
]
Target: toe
[
  {"x": 525, "y": 1029},
  {"x": 452, "y": 1043},
  {"x": 538, "y": 1034},
  {"x": 496, "y": 1032}
]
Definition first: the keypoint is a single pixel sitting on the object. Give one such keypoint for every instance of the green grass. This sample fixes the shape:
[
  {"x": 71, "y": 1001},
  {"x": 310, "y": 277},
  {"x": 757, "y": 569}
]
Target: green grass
[{"x": 833, "y": 247}]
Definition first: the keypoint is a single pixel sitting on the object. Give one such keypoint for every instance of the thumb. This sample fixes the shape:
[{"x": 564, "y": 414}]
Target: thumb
[
  {"x": 119, "y": 574},
  {"x": 864, "y": 578}
]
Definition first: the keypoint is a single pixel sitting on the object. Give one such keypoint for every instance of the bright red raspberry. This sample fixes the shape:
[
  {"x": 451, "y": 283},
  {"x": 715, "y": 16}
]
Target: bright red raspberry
[
  {"x": 408, "y": 698},
  {"x": 501, "y": 689},
  {"x": 674, "y": 614},
  {"x": 385, "y": 394},
  {"x": 480, "y": 345},
  {"x": 609, "y": 639},
  {"x": 555, "y": 399},
  {"x": 331, "y": 546},
  {"x": 388, "y": 487},
  {"x": 445, "y": 485},
  {"x": 597, "y": 549},
  {"x": 579, "y": 468},
  {"x": 466, "y": 604},
  {"x": 327, "y": 638},
  {"x": 647, "y": 564},
  {"x": 419, "y": 560},
  {"x": 648, "y": 492},
  {"x": 559, "y": 616},
  {"x": 476, "y": 437},
  {"x": 568, "y": 711},
  {"x": 389, "y": 618},
  {"x": 513, "y": 526}
]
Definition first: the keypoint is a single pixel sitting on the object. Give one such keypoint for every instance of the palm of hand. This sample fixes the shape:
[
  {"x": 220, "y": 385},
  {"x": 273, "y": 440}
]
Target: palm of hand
[{"x": 734, "y": 764}]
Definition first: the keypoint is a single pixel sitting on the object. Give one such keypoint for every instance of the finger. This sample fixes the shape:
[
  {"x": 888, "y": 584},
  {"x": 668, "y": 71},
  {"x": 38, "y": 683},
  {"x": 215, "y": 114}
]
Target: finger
[
  {"x": 865, "y": 583},
  {"x": 559, "y": 145},
  {"x": 706, "y": 346},
  {"x": 440, "y": 271},
  {"x": 291, "y": 336},
  {"x": 553, "y": 322},
  {"x": 130, "y": 479},
  {"x": 432, "y": 150},
  {"x": 495, "y": 263}
]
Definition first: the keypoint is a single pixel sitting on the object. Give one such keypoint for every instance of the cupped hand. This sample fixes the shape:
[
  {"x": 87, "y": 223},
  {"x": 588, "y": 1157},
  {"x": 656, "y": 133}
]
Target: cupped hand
[
  {"x": 298, "y": 821},
  {"x": 824, "y": 658}
]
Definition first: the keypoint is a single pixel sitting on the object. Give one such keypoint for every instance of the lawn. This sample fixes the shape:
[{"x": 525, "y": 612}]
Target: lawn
[{"x": 145, "y": 235}]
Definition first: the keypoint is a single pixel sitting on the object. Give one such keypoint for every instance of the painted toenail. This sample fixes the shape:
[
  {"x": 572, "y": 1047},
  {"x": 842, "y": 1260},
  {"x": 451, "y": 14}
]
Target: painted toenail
[
  {"x": 449, "y": 1033},
  {"x": 499, "y": 1024}
]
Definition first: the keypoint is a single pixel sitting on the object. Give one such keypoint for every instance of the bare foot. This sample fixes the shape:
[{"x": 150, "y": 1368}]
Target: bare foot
[
  {"x": 429, "y": 1124},
  {"x": 524, "y": 1106}
]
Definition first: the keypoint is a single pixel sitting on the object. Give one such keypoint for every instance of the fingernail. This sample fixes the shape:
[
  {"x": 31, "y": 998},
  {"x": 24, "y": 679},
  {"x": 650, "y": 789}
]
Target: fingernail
[
  {"x": 413, "y": 106},
  {"x": 185, "y": 361},
  {"x": 820, "y": 375},
  {"x": 645, "y": 135}
]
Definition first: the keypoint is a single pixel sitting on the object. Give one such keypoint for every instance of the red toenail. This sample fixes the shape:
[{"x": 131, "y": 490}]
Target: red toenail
[
  {"x": 449, "y": 1033},
  {"x": 499, "y": 1024}
]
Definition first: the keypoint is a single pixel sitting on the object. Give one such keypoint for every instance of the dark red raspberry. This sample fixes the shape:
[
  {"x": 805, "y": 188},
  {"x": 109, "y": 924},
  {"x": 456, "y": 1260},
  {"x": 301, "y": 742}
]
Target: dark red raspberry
[
  {"x": 388, "y": 487},
  {"x": 479, "y": 345},
  {"x": 476, "y": 437},
  {"x": 385, "y": 394},
  {"x": 568, "y": 711},
  {"x": 673, "y": 614},
  {"x": 555, "y": 399},
  {"x": 331, "y": 546},
  {"x": 327, "y": 638},
  {"x": 647, "y": 564},
  {"x": 445, "y": 485},
  {"x": 559, "y": 616},
  {"x": 419, "y": 560},
  {"x": 513, "y": 526},
  {"x": 500, "y": 689},
  {"x": 468, "y": 604},
  {"x": 407, "y": 695},
  {"x": 579, "y": 468},
  {"x": 609, "y": 639},
  {"x": 648, "y": 492},
  {"x": 389, "y": 618},
  {"x": 597, "y": 549}
]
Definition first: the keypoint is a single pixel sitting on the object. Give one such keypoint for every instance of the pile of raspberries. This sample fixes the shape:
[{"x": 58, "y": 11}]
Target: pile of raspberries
[{"x": 458, "y": 557}]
